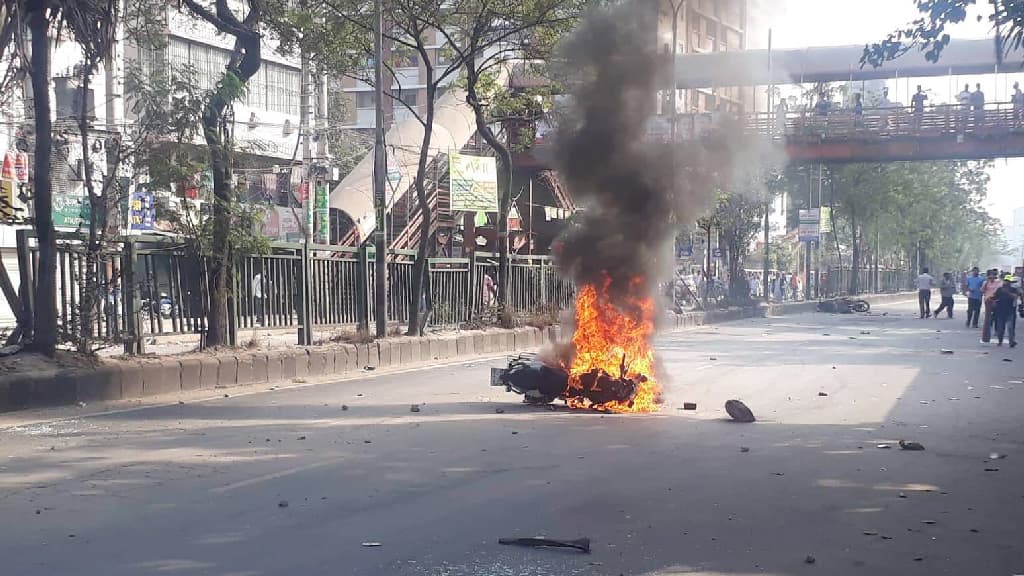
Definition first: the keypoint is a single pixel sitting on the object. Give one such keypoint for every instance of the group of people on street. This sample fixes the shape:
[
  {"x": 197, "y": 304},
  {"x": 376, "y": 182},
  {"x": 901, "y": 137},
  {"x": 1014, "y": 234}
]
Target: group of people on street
[
  {"x": 994, "y": 301},
  {"x": 782, "y": 286}
]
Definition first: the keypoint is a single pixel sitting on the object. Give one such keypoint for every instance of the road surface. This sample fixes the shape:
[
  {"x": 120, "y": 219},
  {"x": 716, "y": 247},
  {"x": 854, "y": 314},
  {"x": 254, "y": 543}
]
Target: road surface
[{"x": 289, "y": 482}]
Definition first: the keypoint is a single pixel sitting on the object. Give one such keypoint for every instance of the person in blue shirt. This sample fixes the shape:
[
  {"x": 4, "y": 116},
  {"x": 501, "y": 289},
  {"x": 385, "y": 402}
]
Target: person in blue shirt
[{"x": 972, "y": 289}]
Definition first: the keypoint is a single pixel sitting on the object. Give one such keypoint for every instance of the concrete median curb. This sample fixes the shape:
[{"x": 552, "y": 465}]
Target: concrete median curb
[{"x": 133, "y": 379}]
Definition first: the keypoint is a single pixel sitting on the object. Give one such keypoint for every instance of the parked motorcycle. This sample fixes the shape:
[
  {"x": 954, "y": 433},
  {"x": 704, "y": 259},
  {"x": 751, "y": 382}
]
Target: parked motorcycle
[{"x": 163, "y": 306}]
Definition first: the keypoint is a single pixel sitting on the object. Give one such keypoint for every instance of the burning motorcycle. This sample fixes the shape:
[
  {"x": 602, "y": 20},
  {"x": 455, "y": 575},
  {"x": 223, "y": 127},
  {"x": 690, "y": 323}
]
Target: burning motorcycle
[{"x": 541, "y": 383}]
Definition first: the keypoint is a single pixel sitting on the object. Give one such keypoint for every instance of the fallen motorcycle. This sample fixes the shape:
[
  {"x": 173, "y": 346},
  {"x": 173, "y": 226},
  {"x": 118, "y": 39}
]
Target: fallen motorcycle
[
  {"x": 541, "y": 383},
  {"x": 844, "y": 305}
]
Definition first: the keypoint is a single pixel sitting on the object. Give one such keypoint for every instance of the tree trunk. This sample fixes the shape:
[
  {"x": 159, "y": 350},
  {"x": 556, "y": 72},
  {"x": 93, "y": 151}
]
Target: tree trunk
[
  {"x": 44, "y": 321},
  {"x": 419, "y": 268},
  {"x": 220, "y": 164},
  {"x": 504, "y": 157},
  {"x": 97, "y": 216},
  {"x": 242, "y": 66}
]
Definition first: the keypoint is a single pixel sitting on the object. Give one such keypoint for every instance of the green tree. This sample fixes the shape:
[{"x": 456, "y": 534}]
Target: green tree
[
  {"x": 739, "y": 216},
  {"x": 929, "y": 32},
  {"x": 243, "y": 64},
  {"x": 490, "y": 35}
]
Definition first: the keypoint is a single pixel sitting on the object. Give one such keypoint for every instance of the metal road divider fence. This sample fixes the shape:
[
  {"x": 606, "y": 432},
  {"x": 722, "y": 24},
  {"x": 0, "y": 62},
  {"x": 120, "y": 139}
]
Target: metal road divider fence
[{"x": 155, "y": 286}]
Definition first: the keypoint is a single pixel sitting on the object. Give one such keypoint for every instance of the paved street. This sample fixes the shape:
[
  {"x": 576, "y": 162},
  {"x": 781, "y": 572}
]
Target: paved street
[{"x": 288, "y": 482}]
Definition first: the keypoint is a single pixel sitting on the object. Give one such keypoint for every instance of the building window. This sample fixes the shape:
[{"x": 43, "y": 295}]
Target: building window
[
  {"x": 283, "y": 87},
  {"x": 410, "y": 97},
  {"x": 274, "y": 87},
  {"x": 405, "y": 57},
  {"x": 364, "y": 99}
]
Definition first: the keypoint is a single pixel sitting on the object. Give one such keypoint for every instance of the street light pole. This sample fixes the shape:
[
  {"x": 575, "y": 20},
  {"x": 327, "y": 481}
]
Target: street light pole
[{"x": 380, "y": 265}]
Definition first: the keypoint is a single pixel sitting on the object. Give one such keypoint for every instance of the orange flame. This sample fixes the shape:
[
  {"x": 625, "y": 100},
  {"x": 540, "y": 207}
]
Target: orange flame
[{"x": 609, "y": 339}]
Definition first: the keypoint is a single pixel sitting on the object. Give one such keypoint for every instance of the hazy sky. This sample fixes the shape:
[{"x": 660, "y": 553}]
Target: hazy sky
[{"x": 800, "y": 23}]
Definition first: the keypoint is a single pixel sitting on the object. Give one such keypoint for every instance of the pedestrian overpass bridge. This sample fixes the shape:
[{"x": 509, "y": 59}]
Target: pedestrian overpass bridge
[
  {"x": 944, "y": 132},
  {"x": 835, "y": 64},
  {"x": 892, "y": 133}
]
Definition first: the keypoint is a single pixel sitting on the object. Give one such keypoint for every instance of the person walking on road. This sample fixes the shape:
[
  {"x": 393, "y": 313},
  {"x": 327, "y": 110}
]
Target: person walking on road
[
  {"x": 972, "y": 289},
  {"x": 924, "y": 293},
  {"x": 988, "y": 292},
  {"x": 946, "y": 290},
  {"x": 1005, "y": 307}
]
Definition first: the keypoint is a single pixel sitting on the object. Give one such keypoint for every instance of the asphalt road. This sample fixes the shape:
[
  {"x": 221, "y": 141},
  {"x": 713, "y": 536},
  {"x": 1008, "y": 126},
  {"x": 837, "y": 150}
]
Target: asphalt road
[{"x": 288, "y": 482}]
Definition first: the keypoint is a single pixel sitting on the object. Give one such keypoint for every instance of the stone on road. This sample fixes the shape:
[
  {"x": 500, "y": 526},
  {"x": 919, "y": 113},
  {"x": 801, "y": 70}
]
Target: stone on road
[{"x": 191, "y": 489}]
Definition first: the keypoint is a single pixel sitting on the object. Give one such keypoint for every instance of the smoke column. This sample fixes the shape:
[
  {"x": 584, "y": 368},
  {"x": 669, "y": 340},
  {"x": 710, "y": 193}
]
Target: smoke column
[{"x": 636, "y": 194}]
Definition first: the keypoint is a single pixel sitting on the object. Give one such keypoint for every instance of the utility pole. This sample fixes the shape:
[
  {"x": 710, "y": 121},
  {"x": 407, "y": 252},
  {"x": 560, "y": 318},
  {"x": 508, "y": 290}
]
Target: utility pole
[
  {"x": 306, "y": 310},
  {"x": 768, "y": 196},
  {"x": 380, "y": 265},
  {"x": 677, "y": 7}
]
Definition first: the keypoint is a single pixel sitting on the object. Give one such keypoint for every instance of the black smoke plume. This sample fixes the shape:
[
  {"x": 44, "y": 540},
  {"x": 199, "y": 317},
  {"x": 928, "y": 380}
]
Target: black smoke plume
[{"x": 636, "y": 194}]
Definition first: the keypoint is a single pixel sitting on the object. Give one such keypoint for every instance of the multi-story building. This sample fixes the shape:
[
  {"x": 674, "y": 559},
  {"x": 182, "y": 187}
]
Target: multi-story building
[
  {"x": 710, "y": 26},
  {"x": 266, "y": 120},
  {"x": 408, "y": 83}
]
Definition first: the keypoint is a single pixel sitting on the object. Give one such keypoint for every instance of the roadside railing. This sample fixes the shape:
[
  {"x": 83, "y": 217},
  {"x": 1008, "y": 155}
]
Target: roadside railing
[{"x": 155, "y": 286}]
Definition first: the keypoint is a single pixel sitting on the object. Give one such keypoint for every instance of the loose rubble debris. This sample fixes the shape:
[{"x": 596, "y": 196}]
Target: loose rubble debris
[
  {"x": 744, "y": 449},
  {"x": 344, "y": 407},
  {"x": 499, "y": 411},
  {"x": 739, "y": 412},
  {"x": 414, "y": 408},
  {"x": 822, "y": 393},
  {"x": 944, "y": 351},
  {"x": 809, "y": 559},
  {"x": 581, "y": 544},
  {"x": 282, "y": 504},
  {"x": 996, "y": 456},
  {"x": 911, "y": 446},
  {"x": 865, "y": 332}
]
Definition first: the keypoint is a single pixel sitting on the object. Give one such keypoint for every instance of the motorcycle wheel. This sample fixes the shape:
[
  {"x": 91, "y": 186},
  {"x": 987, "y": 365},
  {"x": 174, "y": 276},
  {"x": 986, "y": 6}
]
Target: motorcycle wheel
[
  {"x": 861, "y": 306},
  {"x": 538, "y": 400}
]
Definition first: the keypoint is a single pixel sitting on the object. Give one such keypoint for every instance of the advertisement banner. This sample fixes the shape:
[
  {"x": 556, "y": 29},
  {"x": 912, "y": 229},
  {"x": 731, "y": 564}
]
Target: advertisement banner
[
  {"x": 809, "y": 220},
  {"x": 142, "y": 211},
  {"x": 8, "y": 197},
  {"x": 322, "y": 215},
  {"x": 474, "y": 183},
  {"x": 71, "y": 211},
  {"x": 282, "y": 223}
]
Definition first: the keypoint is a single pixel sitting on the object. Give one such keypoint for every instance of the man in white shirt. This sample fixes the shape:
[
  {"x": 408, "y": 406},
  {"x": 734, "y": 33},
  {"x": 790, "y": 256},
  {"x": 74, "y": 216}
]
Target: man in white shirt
[
  {"x": 924, "y": 293},
  {"x": 963, "y": 100}
]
